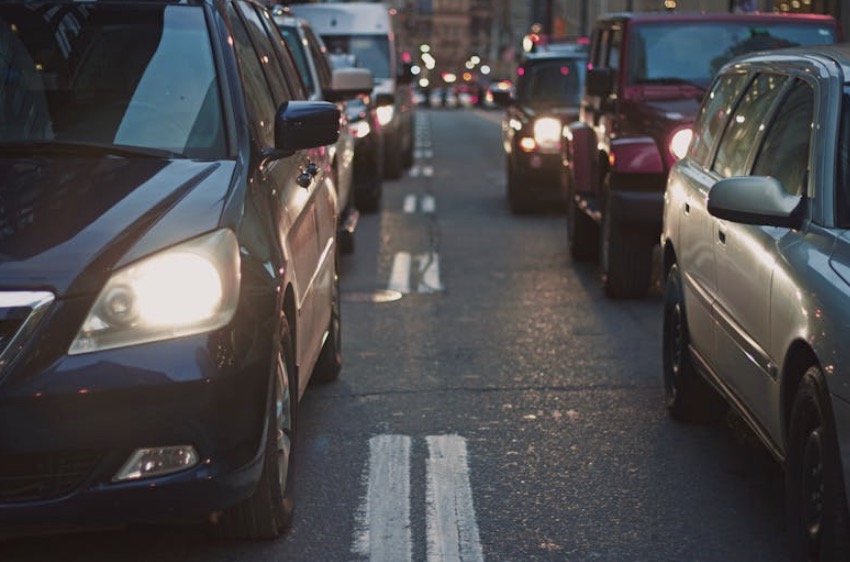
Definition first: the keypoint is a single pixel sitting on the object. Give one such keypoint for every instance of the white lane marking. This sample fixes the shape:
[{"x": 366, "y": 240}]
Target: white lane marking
[
  {"x": 400, "y": 273},
  {"x": 429, "y": 204},
  {"x": 384, "y": 533},
  {"x": 427, "y": 171},
  {"x": 423, "y": 152},
  {"x": 410, "y": 204},
  {"x": 451, "y": 526},
  {"x": 429, "y": 273},
  {"x": 415, "y": 171}
]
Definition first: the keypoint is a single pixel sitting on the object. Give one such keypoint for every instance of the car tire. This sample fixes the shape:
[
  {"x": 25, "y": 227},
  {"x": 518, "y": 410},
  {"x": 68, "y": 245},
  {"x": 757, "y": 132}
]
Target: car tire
[
  {"x": 582, "y": 233},
  {"x": 517, "y": 199},
  {"x": 818, "y": 520},
  {"x": 393, "y": 161},
  {"x": 268, "y": 512},
  {"x": 329, "y": 363},
  {"x": 688, "y": 396},
  {"x": 625, "y": 258}
]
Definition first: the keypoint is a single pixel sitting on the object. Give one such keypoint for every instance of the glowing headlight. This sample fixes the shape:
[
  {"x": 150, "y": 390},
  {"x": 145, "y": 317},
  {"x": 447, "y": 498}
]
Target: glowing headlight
[
  {"x": 188, "y": 289},
  {"x": 385, "y": 114},
  {"x": 680, "y": 141},
  {"x": 360, "y": 129},
  {"x": 547, "y": 134}
]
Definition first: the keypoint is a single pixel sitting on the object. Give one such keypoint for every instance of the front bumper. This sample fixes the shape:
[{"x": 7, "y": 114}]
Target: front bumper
[
  {"x": 539, "y": 175},
  {"x": 69, "y": 426}
]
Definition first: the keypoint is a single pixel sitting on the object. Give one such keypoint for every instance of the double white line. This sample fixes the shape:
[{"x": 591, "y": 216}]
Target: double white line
[
  {"x": 426, "y": 276},
  {"x": 385, "y": 534}
]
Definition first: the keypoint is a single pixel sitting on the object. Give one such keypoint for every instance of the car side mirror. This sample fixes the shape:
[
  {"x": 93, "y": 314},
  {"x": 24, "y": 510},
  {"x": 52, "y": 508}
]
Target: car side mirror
[
  {"x": 347, "y": 83},
  {"x": 757, "y": 200},
  {"x": 600, "y": 82},
  {"x": 304, "y": 124}
]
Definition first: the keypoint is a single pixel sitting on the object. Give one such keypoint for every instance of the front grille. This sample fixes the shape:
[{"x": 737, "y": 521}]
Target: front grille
[
  {"x": 43, "y": 476},
  {"x": 20, "y": 312}
]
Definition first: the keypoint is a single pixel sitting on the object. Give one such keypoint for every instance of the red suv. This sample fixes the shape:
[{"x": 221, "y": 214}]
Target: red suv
[{"x": 647, "y": 74}]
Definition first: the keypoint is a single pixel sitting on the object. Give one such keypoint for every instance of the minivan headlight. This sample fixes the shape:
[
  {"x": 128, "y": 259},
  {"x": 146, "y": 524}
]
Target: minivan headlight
[
  {"x": 186, "y": 289},
  {"x": 547, "y": 134}
]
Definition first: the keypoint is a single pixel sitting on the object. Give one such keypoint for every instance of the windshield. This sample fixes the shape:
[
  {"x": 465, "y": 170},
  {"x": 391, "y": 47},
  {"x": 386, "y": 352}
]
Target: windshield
[
  {"x": 132, "y": 75},
  {"x": 370, "y": 51},
  {"x": 555, "y": 82},
  {"x": 693, "y": 52}
]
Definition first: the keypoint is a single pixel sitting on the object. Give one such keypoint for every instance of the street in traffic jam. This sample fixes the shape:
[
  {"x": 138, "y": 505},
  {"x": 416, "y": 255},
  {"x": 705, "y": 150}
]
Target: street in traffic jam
[{"x": 330, "y": 301}]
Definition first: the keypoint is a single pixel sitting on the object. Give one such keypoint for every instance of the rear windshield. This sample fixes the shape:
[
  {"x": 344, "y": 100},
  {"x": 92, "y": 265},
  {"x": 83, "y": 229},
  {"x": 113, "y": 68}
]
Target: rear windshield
[
  {"x": 555, "y": 82},
  {"x": 693, "y": 52},
  {"x": 134, "y": 75},
  {"x": 370, "y": 51}
]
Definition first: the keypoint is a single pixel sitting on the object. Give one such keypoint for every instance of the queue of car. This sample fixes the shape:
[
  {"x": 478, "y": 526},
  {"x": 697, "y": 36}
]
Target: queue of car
[
  {"x": 738, "y": 164},
  {"x": 178, "y": 182}
]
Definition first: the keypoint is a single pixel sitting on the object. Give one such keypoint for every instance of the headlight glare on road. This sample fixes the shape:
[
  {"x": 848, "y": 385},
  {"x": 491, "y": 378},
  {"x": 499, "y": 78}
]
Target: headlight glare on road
[
  {"x": 547, "y": 134},
  {"x": 188, "y": 289},
  {"x": 385, "y": 114}
]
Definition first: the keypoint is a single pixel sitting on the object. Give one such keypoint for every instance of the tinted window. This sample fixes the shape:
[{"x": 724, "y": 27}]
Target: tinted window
[
  {"x": 785, "y": 151},
  {"x": 267, "y": 57},
  {"x": 695, "y": 51},
  {"x": 258, "y": 98},
  {"x": 133, "y": 75},
  {"x": 734, "y": 149},
  {"x": 298, "y": 50},
  {"x": 555, "y": 82},
  {"x": 713, "y": 113},
  {"x": 320, "y": 56},
  {"x": 372, "y": 51},
  {"x": 843, "y": 171}
]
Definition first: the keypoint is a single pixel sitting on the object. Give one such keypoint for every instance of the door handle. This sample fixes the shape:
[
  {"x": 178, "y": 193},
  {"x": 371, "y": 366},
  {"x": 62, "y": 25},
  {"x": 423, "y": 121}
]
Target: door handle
[
  {"x": 687, "y": 208},
  {"x": 721, "y": 236}
]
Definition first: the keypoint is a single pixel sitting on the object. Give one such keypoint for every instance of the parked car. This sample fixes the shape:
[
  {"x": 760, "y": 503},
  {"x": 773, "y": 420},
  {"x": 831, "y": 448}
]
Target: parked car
[
  {"x": 549, "y": 86},
  {"x": 373, "y": 33},
  {"x": 339, "y": 85},
  {"x": 649, "y": 73},
  {"x": 168, "y": 279},
  {"x": 757, "y": 261},
  {"x": 365, "y": 126}
]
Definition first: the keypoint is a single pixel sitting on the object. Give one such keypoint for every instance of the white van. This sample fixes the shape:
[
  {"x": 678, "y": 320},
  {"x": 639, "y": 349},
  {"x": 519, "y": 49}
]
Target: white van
[{"x": 366, "y": 30}]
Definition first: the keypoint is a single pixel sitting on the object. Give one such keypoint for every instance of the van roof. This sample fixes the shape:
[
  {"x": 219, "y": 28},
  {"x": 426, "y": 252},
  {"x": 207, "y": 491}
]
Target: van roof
[{"x": 348, "y": 18}]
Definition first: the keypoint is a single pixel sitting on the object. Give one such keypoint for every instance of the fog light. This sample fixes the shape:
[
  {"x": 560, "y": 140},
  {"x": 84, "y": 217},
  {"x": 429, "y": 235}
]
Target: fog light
[{"x": 157, "y": 461}]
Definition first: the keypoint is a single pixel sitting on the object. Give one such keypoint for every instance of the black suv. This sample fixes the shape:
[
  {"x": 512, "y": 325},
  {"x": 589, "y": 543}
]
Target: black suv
[
  {"x": 547, "y": 96},
  {"x": 168, "y": 280}
]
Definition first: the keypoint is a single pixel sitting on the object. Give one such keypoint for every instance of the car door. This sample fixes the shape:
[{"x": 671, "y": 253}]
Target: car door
[
  {"x": 687, "y": 194},
  {"x": 294, "y": 210},
  {"x": 748, "y": 255}
]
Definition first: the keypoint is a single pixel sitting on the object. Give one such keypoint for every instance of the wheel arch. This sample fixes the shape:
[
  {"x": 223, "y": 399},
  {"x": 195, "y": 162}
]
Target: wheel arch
[{"x": 798, "y": 359}]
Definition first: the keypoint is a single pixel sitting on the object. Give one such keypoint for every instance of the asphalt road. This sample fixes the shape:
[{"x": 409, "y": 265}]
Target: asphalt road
[{"x": 501, "y": 409}]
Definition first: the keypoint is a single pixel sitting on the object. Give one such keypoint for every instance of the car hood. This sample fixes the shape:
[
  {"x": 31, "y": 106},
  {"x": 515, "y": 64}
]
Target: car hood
[
  {"x": 66, "y": 223},
  {"x": 682, "y": 109}
]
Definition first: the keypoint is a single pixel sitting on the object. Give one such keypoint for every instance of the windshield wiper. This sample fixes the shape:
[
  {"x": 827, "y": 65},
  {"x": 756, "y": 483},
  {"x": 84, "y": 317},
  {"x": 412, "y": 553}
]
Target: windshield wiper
[{"x": 86, "y": 148}]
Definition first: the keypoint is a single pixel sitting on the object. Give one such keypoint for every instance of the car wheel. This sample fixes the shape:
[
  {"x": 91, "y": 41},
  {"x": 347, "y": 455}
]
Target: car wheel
[
  {"x": 625, "y": 258},
  {"x": 688, "y": 396},
  {"x": 267, "y": 513},
  {"x": 517, "y": 199},
  {"x": 582, "y": 232},
  {"x": 818, "y": 520},
  {"x": 329, "y": 363},
  {"x": 393, "y": 161}
]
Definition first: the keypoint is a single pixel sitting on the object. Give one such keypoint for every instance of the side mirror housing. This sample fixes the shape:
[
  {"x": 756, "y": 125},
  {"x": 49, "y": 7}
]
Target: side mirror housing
[
  {"x": 599, "y": 81},
  {"x": 757, "y": 200},
  {"x": 347, "y": 83},
  {"x": 305, "y": 124}
]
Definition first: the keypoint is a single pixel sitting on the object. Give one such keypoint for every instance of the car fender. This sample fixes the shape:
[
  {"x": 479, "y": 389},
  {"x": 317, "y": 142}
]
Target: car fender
[
  {"x": 635, "y": 155},
  {"x": 582, "y": 157}
]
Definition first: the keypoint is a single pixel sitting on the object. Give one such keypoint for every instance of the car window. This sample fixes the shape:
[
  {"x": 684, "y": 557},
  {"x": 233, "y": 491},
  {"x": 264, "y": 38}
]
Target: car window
[
  {"x": 258, "y": 98},
  {"x": 373, "y": 51},
  {"x": 141, "y": 76},
  {"x": 297, "y": 48},
  {"x": 713, "y": 114},
  {"x": 319, "y": 52},
  {"x": 615, "y": 40},
  {"x": 843, "y": 165},
  {"x": 297, "y": 89},
  {"x": 734, "y": 149},
  {"x": 268, "y": 59},
  {"x": 784, "y": 154},
  {"x": 553, "y": 82}
]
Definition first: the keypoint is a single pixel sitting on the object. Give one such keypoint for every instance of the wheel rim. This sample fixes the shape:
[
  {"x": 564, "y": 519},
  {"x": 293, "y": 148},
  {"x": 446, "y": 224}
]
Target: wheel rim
[
  {"x": 283, "y": 423},
  {"x": 813, "y": 488},
  {"x": 674, "y": 341}
]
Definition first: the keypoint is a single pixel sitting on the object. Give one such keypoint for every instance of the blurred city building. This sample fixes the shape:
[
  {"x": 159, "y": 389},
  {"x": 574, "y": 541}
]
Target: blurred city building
[{"x": 481, "y": 40}]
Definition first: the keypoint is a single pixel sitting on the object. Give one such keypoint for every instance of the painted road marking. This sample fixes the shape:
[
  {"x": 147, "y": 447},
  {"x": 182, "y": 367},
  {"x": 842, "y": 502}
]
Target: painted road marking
[
  {"x": 425, "y": 276},
  {"x": 427, "y": 204},
  {"x": 410, "y": 204},
  {"x": 452, "y": 530},
  {"x": 383, "y": 521},
  {"x": 429, "y": 273},
  {"x": 400, "y": 273}
]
